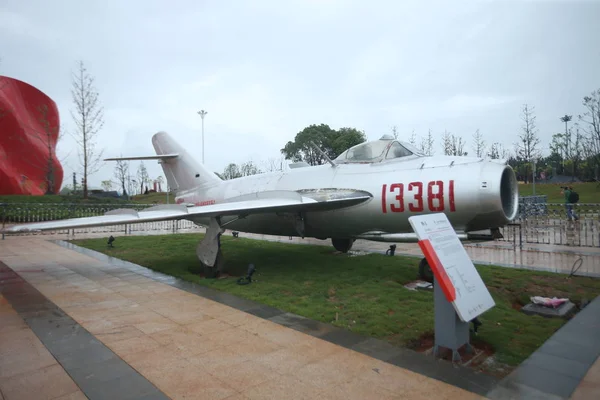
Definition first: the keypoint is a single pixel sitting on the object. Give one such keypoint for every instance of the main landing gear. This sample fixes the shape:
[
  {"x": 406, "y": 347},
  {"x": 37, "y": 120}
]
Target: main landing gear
[
  {"x": 209, "y": 250},
  {"x": 342, "y": 245},
  {"x": 425, "y": 272}
]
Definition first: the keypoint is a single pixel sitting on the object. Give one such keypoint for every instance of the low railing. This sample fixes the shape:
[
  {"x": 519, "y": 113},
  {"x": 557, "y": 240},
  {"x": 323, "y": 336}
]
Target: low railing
[
  {"x": 11, "y": 214},
  {"x": 547, "y": 223}
]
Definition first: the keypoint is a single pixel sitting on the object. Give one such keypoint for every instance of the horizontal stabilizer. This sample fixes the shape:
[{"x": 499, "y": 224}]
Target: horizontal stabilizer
[{"x": 155, "y": 157}]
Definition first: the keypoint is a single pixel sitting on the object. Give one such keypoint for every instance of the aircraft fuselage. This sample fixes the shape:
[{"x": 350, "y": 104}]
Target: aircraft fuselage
[{"x": 475, "y": 194}]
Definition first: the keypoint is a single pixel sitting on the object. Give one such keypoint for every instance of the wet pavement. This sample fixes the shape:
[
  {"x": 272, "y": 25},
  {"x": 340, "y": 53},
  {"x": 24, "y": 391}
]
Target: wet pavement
[
  {"x": 140, "y": 334},
  {"x": 123, "y": 331}
]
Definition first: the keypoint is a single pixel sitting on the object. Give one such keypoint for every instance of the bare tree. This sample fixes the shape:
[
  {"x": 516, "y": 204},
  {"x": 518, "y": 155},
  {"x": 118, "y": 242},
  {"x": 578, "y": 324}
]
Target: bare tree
[
  {"x": 447, "y": 143},
  {"x": 479, "y": 144},
  {"x": 48, "y": 134},
  {"x": 231, "y": 171},
  {"x": 497, "y": 151},
  {"x": 274, "y": 164},
  {"x": 528, "y": 139},
  {"x": 249, "y": 168},
  {"x": 143, "y": 177},
  {"x": 591, "y": 127},
  {"x": 395, "y": 132},
  {"x": 122, "y": 174},
  {"x": 89, "y": 119},
  {"x": 527, "y": 147},
  {"x": 426, "y": 145},
  {"x": 131, "y": 184},
  {"x": 576, "y": 150},
  {"x": 453, "y": 145},
  {"x": 413, "y": 138},
  {"x": 160, "y": 180}
]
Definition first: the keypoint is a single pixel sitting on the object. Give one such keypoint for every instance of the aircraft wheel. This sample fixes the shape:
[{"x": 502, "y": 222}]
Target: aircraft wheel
[
  {"x": 343, "y": 245},
  {"x": 214, "y": 271},
  {"x": 425, "y": 272}
]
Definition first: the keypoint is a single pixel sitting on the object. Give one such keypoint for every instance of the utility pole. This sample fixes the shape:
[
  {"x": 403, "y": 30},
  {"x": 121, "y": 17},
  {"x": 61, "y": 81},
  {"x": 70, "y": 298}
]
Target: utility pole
[
  {"x": 534, "y": 171},
  {"x": 202, "y": 114}
]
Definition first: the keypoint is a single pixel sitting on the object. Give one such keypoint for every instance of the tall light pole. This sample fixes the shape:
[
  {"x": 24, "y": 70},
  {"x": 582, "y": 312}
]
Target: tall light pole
[
  {"x": 202, "y": 114},
  {"x": 566, "y": 118}
]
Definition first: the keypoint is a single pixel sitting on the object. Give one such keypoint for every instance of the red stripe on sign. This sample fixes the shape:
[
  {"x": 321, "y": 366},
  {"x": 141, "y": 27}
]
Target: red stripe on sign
[{"x": 438, "y": 270}]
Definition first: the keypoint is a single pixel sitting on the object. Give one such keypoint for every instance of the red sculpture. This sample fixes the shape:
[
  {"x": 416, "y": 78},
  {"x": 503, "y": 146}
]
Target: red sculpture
[{"x": 29, "y": 128}]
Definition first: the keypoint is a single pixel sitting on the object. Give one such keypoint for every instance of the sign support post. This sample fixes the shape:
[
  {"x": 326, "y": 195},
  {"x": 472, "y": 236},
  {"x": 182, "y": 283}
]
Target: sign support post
[
  {"x": 450, "y": 331},
  {"x": 460, "y": 295}
]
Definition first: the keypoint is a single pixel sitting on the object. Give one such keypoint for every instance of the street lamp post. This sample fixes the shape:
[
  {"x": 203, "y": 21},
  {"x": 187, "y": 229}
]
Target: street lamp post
[
  {"x": 566, "y": 118},
  {"x": 202, "y": 114}
]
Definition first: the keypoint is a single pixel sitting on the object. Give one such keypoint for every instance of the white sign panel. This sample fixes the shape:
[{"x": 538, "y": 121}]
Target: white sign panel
[{"x": 451, "y": 265}]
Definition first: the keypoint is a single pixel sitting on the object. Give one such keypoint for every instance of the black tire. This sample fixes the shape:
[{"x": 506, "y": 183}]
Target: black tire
[
  {"x": 425, "y": 272},
  {"x": 342, "y": 245}
]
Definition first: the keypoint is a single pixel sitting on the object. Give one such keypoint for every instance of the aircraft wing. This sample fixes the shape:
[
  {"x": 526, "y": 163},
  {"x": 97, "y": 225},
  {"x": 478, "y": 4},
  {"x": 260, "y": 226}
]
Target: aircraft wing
[{"x": 291, "y": 203}]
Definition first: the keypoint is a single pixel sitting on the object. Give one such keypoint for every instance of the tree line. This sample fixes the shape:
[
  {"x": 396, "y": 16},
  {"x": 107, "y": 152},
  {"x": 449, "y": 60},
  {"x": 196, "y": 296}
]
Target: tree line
[{"x": 574, "y": 151}]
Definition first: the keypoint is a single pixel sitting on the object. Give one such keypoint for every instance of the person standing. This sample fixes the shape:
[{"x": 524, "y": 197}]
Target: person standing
[{"x": 568, "y": 191}]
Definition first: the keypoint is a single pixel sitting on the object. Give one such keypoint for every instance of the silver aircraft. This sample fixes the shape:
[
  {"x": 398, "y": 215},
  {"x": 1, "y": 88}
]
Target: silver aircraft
[{"x": 368, "y": 192}]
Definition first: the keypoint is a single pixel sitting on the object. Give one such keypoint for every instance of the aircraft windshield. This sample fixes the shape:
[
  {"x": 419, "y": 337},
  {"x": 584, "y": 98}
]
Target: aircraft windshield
[
  {"x": 368, "y": 151},
  {"x": 377, "y": 150},
  {"x": 412, "y": 149}
]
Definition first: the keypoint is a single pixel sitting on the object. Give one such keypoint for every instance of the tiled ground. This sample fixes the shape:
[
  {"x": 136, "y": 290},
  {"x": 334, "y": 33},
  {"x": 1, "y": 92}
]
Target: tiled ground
[
  {"x": 589, "y": 388},
  {"x": 27, "y": 369},
  {"x": 192, "y": 347}
]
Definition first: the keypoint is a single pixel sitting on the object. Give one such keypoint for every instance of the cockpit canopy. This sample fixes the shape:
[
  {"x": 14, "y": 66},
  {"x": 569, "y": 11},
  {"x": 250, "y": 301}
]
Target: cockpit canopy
[{"x": 386, "y": 148}]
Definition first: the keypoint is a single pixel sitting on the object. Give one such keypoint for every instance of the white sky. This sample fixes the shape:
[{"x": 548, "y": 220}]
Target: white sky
[{"x": 264, "y": 70}]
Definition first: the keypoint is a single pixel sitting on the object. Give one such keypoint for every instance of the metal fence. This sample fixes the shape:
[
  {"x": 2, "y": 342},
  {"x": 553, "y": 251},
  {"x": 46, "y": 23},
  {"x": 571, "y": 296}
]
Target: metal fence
[
  {"x": 537, "y": 221},
  {"x": 547, "y": 223},
  {"x": 11, "y": 214}
]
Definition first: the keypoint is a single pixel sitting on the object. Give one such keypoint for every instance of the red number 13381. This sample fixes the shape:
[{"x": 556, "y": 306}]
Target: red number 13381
[{"x": 395, "y": 196}]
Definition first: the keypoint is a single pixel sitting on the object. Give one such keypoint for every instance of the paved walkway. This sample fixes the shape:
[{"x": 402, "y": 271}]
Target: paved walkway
[
  {"x": 179, "y": 345},
  {"x": 26, "y": 367}
]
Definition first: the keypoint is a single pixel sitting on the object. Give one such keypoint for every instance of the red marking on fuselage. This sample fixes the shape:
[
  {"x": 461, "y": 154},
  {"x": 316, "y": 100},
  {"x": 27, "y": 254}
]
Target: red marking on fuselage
[
  {"x": 413, "y": 197},
  {"x": 205, "y": 203},
  {"x": 197, "y": 203}
]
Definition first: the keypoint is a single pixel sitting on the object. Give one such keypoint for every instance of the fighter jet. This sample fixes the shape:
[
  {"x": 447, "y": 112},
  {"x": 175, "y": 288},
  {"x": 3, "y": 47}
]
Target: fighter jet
[{"x": 367, "y": 192}]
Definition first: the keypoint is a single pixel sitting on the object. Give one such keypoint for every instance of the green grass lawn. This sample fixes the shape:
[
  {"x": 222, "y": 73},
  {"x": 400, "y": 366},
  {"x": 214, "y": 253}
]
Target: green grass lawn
[
  {"x": 366, "y": 292},
  {"x": 151, "y": 198},
  {"x": 589, "y": 192}
]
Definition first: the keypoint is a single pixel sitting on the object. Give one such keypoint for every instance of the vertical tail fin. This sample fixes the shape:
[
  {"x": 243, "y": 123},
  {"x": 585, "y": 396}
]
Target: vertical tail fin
[{"x": 182, "y": 172}]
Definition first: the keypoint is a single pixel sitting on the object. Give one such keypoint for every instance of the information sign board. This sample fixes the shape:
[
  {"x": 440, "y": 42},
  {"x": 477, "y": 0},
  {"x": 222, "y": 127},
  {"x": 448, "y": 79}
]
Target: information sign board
[{"x": 453, "y": 269}]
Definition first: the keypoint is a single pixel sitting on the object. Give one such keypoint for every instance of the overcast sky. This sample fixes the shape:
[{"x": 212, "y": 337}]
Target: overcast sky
[{"x": 264, "y": 70}]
